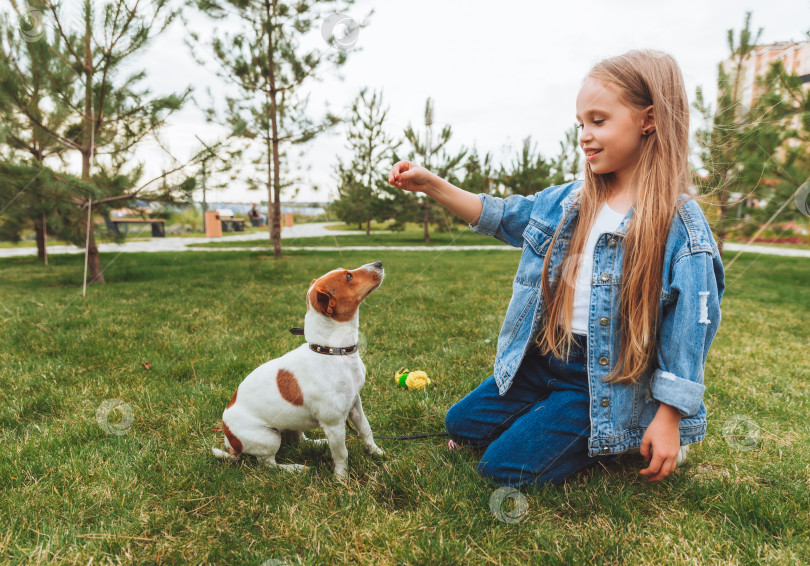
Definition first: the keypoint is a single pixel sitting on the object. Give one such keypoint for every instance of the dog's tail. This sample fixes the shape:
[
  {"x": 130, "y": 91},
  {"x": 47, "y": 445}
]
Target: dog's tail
[
  {"x": 232, "y": 443},
  {"x": 221, "y": 454}
]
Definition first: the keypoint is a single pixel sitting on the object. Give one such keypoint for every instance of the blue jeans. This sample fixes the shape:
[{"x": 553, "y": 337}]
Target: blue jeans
[{"x": 538, "y": 431}]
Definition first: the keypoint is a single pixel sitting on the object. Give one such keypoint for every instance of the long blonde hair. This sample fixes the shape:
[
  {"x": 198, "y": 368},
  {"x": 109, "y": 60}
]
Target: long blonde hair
[{"x": 641, "y": 78}]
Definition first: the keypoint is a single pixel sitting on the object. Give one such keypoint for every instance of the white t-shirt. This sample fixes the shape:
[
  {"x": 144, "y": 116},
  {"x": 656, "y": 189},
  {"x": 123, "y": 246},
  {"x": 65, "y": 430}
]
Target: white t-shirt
[{"x": 608, "y": 220}]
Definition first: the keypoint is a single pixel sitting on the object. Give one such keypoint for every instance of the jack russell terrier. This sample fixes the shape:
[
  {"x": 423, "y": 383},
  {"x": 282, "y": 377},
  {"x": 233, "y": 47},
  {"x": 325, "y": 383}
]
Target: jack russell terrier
[{"x": 316, "y": 385}]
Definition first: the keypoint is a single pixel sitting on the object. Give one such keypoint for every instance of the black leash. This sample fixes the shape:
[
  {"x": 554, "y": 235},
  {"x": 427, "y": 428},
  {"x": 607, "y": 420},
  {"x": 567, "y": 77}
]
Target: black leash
[{"x": 402, "y": 437}]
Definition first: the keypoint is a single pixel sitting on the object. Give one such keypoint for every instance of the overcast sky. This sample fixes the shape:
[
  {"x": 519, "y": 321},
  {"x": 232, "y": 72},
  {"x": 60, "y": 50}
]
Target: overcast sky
[{"x": 496, "y": 71}]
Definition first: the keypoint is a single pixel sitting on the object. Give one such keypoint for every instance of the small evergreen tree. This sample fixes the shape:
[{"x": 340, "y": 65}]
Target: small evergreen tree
[
  {"x": 106, "y": 116},
  {"x": 566, "y": 166},
  {"x": 433, "y": 154},
  {"x": 530, "y": 172},
  {"x": 479, "y": 177},
  {"x": 721, "y": 142},
  {"x": 263, "y": 61},
  {"x": 359, "y": 193}
]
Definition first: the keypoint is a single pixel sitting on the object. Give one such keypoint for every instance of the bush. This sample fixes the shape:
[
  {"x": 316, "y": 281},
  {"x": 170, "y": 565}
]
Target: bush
[{"x": 188, "y": 220}]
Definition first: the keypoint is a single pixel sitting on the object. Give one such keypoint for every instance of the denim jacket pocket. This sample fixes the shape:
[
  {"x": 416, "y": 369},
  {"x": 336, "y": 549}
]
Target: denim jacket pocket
[{"x": 536, "y": 241}]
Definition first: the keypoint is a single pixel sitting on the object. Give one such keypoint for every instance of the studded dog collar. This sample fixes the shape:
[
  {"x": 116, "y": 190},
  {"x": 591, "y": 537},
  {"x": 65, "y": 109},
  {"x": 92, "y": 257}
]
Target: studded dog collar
[{"x": 326, "y": 349}]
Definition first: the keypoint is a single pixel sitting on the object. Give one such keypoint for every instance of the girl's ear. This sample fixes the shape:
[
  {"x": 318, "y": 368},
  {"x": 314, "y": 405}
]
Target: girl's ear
[{"x": 648, "y": 121}]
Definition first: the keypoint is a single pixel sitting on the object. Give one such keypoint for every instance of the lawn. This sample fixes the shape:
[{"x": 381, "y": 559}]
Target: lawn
[
  {"x": 172, "y": 335},
  {"x": 413, "y": 237}
]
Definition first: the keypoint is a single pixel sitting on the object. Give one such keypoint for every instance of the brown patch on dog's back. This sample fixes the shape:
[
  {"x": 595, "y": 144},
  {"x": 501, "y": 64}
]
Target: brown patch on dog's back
[
  {"x": 235, "y": 447},
  {"x": 289, "y": 388},
  {"x": 233, "y": 399}
]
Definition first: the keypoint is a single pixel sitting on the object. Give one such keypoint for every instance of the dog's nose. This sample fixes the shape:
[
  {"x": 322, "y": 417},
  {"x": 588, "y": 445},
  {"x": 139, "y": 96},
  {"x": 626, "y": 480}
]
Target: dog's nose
[{"x": 378, "y": 264}]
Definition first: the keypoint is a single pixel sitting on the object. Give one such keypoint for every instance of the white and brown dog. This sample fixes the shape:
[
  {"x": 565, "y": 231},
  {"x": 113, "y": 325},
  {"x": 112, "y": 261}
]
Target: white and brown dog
[{"x": 316, "y": 385}]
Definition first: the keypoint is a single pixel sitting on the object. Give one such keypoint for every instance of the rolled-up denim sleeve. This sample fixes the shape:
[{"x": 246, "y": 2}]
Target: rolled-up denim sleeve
[
  {"x": 504, "y": 219},
  {"x": 688, "y": 328}
]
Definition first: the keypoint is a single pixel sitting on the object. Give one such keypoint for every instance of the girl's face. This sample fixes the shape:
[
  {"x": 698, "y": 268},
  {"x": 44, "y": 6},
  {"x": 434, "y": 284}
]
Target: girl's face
[{"x": 610, "y": 131}]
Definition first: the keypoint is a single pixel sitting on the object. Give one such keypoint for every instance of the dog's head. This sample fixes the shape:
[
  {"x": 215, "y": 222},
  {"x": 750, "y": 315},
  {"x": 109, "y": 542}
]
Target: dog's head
[{"x": 339, "y": 293}]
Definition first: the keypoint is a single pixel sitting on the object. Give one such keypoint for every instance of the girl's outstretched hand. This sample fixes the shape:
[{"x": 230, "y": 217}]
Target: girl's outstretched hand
[{"x": 409, "y": 176}]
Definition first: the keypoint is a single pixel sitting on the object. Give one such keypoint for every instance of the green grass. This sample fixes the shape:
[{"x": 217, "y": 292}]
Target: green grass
[
  {"x": 458, "y": 237},
  {"x": 72, "y": 493},
  {"x": 772, "y": 245},
  {"x": 375, "y": 226},
  {"x": 134, "y": 235}
]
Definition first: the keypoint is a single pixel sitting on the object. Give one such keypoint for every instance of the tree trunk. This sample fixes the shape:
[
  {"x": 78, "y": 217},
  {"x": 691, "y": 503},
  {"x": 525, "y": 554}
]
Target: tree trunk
[
  {"x": 427, "y": 219},
  {"x": 42, "y": 252},
  {"x": 275, "y": 228},
  {"x": 93, "y": 261}
]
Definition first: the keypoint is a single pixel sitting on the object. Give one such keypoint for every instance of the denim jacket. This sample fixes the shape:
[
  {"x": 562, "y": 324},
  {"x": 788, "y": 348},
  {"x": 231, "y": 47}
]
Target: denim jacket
[{"x": 689, "y": 312}]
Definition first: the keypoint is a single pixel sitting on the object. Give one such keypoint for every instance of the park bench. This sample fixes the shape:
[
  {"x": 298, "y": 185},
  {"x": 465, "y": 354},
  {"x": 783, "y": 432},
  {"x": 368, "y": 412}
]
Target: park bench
[
  {"x": 158, "y": 225},
  {"x": 233, "y": 224}
]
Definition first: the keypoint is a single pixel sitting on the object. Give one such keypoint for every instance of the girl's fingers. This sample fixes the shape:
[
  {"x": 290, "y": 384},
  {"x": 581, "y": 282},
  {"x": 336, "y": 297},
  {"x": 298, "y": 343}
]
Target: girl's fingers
[
  {"x": 644, "y": 450},
  {"x": 399, "y": 168},
  {"x": 653, "y": 468},
  {"x": 662, "y": 470}
]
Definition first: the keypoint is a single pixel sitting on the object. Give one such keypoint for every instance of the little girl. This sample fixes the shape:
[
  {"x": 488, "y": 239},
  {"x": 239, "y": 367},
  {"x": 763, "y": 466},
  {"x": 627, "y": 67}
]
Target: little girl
[{"x": 616, "y": 300}]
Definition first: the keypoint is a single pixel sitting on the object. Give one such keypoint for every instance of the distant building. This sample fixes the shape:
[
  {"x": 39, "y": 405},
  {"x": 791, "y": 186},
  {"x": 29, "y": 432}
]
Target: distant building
[{"x": 795, "y": 57}]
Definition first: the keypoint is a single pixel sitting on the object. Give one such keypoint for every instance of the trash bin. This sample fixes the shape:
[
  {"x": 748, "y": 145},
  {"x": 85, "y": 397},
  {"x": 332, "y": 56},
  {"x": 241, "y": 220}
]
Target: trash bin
[{"x": 213, "y": 225}]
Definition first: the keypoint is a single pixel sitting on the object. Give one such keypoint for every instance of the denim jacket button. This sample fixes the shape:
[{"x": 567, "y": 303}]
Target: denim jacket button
[
  {"x": 605, "y": 277},
  {"x": 605, "y": 450},
  {"x": 603, "y": 360},
  {"x": 605, "y": 402},
  {"x": 604, "y": 321},
  {"x": 612, "y": 242}
]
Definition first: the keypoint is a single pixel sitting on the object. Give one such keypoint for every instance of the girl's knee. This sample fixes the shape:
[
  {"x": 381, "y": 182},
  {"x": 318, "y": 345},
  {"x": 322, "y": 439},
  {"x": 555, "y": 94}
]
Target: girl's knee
[
  {"x": 506, "y": 463},
  {"x": 454, "y": 422},
  {"x": 463, "y": 429},
  {"x": 508, "y": 475}
]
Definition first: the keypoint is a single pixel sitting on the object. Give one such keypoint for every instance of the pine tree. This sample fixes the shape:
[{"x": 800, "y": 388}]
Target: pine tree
[
  {"x": 727, "y": 130},
  {"x": 265, "y": 64},
  {"x": 108, "y": 116},
  {"x": 359, "y": 193},
  {"x": 566, "y": 166},
  {"x": 26, "y": 141},
  {"x": 775, "y": 153},
  {"x": 434, "y": 156},
  {"x": 529, "y": 172},
  {"x": 480, "y": 177}
]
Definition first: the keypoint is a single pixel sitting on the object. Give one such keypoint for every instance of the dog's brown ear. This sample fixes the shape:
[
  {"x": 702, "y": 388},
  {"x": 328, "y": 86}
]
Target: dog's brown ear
[
  {"x": 312, "y": 282},
  {"x": 325, "y": 301}
]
